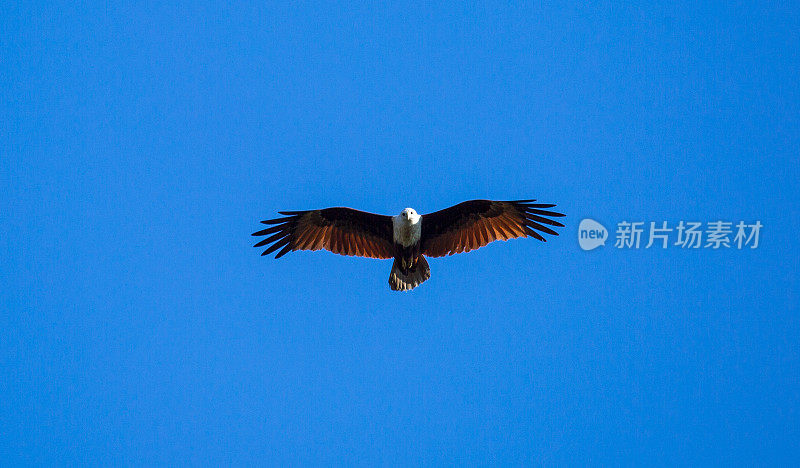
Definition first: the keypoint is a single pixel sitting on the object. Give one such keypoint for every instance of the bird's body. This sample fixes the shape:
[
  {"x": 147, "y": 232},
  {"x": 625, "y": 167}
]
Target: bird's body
[
  {"x": 410, "y": 269},
  {"x": 408, "y": 237}
]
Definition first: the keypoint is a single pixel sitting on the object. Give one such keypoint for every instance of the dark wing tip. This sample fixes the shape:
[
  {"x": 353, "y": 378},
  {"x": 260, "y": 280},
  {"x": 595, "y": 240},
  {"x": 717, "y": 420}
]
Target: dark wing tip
[
  {"x": 277, "y": 245},
  {"x": 552, "y": 214},
  {"x": 536, "y": 217},
  {"x": 529, "y": 231},
  {"x": 282, "y": 233},
  {"x": 284, "y": 251}
]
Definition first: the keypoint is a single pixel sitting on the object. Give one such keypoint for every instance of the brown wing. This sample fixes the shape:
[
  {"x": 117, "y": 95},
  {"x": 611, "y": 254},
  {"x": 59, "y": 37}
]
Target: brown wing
[
  {"x": 473, "y": 224},
  {"x": 343, "y": 231}
]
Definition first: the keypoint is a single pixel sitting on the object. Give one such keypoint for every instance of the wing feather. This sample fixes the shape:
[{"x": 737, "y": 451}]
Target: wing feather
[
  {"x": 284, "y": 251},
  {"x": 344, "y": 241},
  {"x": 333, "y": 236},
  {"x": 486, "y": 235},
  {"x": 272, "y": 238},
  {"x": 539, "y": 227},
  {"x": 533, "y": 233},
  {"x": 276, "y": 246},
  {"x": 494, "y": 231},
  {"x": 325, "y": 238},
  {"x": 465, "y": 241},
  {"x": 318, "y": 239},
  {"x": 542, "y": 219},
  {"x": 505, "y": 227},
  {"x": 478, "y": 233},
  {"x": 264, "y": 232},
  {"x": 362, "y": 248},
  {"x": 343, "y": 231},
  {"x": 337, "y": 244},
  {"x": 302, "y": 241},
  {"x": 473, "y": 224}
]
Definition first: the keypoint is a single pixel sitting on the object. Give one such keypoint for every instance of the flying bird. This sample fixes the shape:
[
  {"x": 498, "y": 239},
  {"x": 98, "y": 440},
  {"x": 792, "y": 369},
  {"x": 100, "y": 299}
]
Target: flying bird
[{"x": 408, "y": 237}]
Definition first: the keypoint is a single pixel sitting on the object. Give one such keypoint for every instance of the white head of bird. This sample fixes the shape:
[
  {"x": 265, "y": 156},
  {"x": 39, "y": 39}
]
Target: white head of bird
[{"x": 410, "y": 216}]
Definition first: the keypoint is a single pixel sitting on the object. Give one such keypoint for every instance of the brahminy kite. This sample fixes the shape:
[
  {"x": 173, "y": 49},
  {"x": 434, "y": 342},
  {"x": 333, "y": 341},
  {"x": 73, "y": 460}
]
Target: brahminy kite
[{"x": 408, "y": 237}]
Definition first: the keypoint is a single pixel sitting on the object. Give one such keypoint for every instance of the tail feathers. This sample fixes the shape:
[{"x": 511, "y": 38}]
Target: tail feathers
[{"x": 418, "y": 275}]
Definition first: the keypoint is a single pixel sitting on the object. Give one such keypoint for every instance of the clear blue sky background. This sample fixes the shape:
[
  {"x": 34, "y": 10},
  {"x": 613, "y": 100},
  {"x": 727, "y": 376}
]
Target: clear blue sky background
[{"x": 142, "y": 144}]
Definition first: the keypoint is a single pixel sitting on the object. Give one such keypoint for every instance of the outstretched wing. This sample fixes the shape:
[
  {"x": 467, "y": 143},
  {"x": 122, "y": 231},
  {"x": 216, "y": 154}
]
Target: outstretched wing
[
  {"x": 473, "y": 224},
  {"x": 343, "y": 231}
]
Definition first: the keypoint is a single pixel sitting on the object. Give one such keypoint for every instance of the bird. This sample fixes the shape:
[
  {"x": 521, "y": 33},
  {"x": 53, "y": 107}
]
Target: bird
[{"x": 408, "y": 237}]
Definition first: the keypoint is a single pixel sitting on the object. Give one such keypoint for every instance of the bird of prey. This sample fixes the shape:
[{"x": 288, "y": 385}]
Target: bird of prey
[{"x": 408, "y": 237}]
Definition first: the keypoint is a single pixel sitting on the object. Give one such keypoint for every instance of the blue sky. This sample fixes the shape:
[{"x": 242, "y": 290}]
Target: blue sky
[{"x": 142, "y": 144}]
